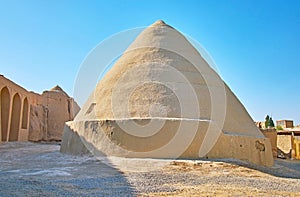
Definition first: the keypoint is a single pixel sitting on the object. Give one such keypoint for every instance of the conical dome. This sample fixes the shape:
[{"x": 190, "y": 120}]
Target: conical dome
[
  {"x": 151, "y": 73},
  {"x": 162, "y": 77},
  {"x": 161, "y": 74},
  {"x": 152, "y": 78}
]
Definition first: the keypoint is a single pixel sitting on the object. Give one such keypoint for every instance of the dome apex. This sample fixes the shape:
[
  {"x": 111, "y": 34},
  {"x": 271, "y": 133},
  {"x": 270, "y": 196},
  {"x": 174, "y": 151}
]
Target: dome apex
[{"x": 159, "y": 22}]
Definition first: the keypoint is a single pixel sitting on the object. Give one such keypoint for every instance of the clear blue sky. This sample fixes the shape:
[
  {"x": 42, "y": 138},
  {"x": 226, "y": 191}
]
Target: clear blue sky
[{"x": 255, "y": 44}]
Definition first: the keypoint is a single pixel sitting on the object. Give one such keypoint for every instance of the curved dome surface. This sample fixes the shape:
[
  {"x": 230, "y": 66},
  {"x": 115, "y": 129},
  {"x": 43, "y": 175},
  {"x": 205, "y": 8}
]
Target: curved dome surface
[
  {"x": 154, "y": 78},
  {"x": 161, "y": 74}
]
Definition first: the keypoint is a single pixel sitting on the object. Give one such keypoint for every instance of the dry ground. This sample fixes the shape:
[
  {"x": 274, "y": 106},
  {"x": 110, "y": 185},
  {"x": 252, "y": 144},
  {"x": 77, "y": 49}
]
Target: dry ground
[
  {"x": 225, "y": 177},
  {"x": 28, "y": 169},
  {"x": 200, "y": 178}
]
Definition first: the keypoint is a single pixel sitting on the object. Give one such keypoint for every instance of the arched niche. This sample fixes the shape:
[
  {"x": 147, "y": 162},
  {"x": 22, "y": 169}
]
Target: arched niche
[
  {"x": 5, "y": 103},
  {"x": 15, "y": 118},
  {"x": 25, "y": 114}
]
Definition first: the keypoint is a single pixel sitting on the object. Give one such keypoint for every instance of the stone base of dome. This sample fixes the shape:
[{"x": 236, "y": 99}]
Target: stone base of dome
[{"x": 163, "y": 138}]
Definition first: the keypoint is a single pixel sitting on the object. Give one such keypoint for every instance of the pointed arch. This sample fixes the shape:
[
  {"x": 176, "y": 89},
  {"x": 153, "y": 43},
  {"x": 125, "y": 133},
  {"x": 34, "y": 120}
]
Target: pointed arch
[
  {"x": 5, "y": 103},
  {"x": 25, "y": 114},
  {"x": 15, "y": 118}
]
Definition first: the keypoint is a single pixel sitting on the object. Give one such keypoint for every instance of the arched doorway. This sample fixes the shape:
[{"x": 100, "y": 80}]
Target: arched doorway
[
  {"x": 15, "y": 118},
  {"x": 5, "y": 103},
  {"x": 25, "y": 114}
]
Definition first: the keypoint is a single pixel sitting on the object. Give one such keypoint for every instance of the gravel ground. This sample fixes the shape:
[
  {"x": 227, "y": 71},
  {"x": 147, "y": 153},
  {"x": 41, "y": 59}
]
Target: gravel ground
[
  {"x": 210, "y": 179},
  {"x": 31, "y": 169}
]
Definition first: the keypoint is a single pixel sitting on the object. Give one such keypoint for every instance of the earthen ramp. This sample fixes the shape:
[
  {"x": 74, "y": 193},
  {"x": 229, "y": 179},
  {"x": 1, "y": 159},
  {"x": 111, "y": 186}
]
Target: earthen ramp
[{"x": 161, "y": 99}]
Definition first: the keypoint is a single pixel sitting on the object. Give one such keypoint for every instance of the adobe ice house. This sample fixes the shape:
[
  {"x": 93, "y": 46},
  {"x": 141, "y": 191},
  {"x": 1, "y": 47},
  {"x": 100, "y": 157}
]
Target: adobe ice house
[{"x": 161, "y": 99}]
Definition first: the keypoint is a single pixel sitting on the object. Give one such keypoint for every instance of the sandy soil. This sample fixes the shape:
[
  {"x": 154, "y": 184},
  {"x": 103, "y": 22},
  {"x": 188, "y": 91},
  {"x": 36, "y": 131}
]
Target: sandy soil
[
  {"x": 226, "y": 177},
  {"x": 211, "y": 178},
  {"x": 28, "y": 169}
]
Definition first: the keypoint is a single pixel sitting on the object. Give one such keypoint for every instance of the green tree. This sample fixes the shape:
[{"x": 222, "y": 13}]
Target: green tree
[
  {"x": 271, "y": 122},
  {"x": 267, "y": 121},
  {"x": 279, "y": 127}
]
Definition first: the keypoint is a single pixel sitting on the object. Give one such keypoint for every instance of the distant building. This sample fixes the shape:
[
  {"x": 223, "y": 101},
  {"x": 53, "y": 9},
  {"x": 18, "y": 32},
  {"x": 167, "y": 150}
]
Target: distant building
[
  {"x": 27, "y": 116},
  {"x": 285, "y": 123}
]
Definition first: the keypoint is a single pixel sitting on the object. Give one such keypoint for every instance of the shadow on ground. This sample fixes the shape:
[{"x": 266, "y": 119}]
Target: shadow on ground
[{"x": 30, "y": 169}]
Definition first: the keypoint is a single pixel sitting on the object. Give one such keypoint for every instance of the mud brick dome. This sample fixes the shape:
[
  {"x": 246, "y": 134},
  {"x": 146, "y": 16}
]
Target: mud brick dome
[{"x": 161, "y": 93}]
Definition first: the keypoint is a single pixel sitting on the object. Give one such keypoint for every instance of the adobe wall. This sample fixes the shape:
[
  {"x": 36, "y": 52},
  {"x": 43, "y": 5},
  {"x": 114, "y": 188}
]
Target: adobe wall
[
  {"x": 15, "y": 104},
  {"x": 296, "y": 147},
  {"x": 38, "y": 123},
  {"x": 27, "y": 116},
  {"x": 284, "y": 143},
  {"x": 272, "y": 135},
  {"x": 58, "y": 108}
]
